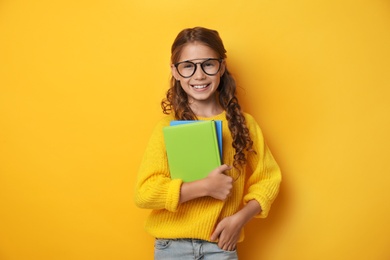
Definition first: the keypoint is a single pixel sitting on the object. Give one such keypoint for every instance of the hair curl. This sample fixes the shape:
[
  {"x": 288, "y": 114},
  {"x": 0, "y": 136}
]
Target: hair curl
[{"x": 176, "y": 99}]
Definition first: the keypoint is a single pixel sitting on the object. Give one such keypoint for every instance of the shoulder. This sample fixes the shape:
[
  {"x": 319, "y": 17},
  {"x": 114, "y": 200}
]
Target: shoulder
[
  {"x": 250, "y": 120},
  {"x": 248, "y": 116},
  {"x": 253, "y": 127},
  {"x": 161, "y": 123},
  {"x": 157, "y": 133},
  {"x": 164, "y": 121}
]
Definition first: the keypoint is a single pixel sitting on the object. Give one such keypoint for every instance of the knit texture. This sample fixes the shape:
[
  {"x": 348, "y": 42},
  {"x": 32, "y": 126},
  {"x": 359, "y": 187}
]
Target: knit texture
[{"x": 197, "y": 218}]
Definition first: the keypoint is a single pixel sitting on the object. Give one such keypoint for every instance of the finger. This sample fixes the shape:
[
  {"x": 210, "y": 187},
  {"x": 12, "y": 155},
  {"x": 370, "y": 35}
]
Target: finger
[
  {"x": 222, "y": 246},
  {"x": 224, "y": 167},
  {"x": 228, "y": 247},
  {"x": 222, "y": 243},
  {"x": 216, "y": 233}
]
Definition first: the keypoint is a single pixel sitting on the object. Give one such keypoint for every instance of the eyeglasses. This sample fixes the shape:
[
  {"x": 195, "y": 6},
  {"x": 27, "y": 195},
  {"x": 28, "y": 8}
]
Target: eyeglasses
[{"x": 209, "y": 66}]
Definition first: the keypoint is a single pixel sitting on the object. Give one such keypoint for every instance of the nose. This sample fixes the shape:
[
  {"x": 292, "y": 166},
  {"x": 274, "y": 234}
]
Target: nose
[{"x": 199, "y": 74}]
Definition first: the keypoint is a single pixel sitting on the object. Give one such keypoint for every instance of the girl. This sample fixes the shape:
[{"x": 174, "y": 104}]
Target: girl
[{"x": 204, "y": 219}]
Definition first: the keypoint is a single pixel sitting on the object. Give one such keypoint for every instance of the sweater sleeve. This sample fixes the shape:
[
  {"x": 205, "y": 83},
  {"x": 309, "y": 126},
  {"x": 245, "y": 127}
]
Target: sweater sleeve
[
  {"x": 264, "y": 173},
  {"x": 154, "y": 187}
]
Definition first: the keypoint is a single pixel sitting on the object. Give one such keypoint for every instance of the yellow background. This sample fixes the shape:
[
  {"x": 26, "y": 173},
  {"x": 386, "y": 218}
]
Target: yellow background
[{"x": 80, "y": 90}]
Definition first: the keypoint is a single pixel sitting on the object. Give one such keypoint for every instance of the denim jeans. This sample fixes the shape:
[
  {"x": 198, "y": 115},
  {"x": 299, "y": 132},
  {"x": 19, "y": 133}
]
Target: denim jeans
[{"x": 186, "y": 249}]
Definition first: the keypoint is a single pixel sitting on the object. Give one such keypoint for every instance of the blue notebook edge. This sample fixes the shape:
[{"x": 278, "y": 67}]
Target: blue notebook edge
[{"x": 218, "y": 126}]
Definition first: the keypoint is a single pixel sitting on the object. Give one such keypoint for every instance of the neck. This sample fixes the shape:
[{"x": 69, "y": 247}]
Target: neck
[{"x": 206, "y": 109}]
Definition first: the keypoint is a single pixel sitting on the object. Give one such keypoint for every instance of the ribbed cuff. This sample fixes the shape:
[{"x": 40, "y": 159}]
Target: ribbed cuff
[{"x": 173, "y": 196}]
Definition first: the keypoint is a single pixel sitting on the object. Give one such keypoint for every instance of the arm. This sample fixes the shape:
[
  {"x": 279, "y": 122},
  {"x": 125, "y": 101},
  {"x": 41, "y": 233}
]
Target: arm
[
  {"x": 264, "y": 181},
  {"x": 154, "y": 187},
  {"x": 261, "y": 189}
]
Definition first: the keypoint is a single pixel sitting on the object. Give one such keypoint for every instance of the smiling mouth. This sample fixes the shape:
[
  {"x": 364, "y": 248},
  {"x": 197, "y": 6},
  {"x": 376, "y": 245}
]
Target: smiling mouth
[{"x": 200, "y": 86}]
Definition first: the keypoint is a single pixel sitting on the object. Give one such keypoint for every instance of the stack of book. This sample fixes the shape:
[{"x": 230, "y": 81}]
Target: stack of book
[{"x": 194, "y": 148}]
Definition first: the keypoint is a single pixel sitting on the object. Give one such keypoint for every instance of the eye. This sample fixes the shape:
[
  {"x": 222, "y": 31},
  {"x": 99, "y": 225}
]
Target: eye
[
  {"x": 187, "y": 65},
  {"x": 208, "y": 64}
]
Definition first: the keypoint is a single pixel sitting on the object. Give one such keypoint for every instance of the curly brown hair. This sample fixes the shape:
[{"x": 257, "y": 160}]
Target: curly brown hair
[{"x": 176, "y": 99}]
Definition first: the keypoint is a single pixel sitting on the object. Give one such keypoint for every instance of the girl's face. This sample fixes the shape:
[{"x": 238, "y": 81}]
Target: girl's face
[{"x": 200, "y": 87}]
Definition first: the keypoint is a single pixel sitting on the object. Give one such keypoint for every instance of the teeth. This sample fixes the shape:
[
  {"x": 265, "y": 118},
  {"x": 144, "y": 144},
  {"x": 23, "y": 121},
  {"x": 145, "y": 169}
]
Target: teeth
[{"x": 199, "y": 86}]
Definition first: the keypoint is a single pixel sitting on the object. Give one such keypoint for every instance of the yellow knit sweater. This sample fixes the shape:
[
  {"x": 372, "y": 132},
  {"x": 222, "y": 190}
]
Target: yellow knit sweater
[{"x": 197, "y": 218}]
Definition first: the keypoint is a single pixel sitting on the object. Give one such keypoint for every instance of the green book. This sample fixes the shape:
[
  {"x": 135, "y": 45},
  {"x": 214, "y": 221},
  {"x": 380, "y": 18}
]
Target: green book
[{"x": 192, "y": 150}]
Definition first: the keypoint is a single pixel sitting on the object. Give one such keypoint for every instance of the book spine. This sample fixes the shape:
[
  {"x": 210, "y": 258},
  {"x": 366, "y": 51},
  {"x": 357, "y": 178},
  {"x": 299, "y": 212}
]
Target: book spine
[{"x": 213, "y": 125}]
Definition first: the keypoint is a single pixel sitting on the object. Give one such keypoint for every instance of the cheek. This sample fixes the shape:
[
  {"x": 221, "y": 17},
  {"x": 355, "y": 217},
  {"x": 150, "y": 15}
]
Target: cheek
[
  {"x": 183, "y": 82},
  {"x": 217, "y": 81},
  {"x": 184, "y": 86}
]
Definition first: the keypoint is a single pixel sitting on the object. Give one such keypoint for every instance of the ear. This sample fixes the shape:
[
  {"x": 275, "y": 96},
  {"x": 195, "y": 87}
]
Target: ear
[
  {"x": 174, "y": 72},
  {"x": 223, "y": 68}
]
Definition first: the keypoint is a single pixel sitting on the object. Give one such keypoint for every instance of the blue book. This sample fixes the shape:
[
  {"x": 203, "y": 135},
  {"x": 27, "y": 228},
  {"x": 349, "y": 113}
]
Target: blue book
[{"x": 218, "y": 126}]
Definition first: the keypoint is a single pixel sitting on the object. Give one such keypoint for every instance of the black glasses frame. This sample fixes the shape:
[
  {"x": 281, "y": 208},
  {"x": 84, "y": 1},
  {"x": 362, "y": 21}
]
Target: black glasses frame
[{"x": 196, "y": 67}]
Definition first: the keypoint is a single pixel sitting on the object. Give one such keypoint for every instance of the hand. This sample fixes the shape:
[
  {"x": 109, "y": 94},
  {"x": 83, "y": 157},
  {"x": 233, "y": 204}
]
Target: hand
[
  {"x": 219, "y": 185},
  {"x": 227, "y": 233}
]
